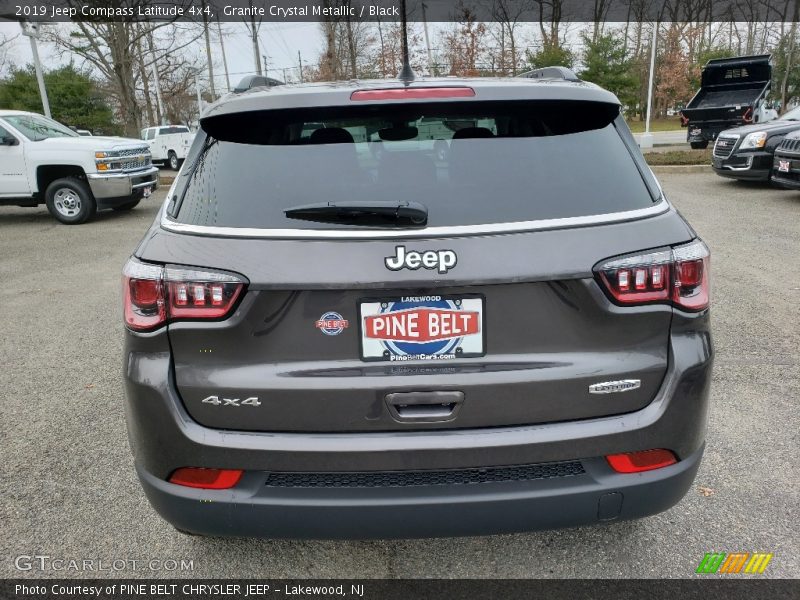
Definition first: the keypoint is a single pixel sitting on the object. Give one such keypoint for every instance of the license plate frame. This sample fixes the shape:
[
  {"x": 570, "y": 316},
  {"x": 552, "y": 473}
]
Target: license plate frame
[{"x": 470, "y": 345}]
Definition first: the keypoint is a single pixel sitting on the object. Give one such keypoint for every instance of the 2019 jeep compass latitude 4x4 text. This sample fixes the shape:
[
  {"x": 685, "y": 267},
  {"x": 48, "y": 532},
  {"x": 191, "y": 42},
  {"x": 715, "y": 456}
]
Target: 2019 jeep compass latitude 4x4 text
[{"x": 394, "y": 309}]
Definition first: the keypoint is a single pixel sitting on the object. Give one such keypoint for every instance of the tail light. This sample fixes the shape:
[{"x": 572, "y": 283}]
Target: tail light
[
  {"x": 206, "y": 479},
  {"x": 645, "y": 460},
  {"x": 154, "y": 295},
  {"x": 678, "y": 275}
]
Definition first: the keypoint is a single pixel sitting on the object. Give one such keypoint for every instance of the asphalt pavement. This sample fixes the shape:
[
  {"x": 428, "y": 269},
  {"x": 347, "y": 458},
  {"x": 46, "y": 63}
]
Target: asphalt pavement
[{"x": 68, "y": 485}]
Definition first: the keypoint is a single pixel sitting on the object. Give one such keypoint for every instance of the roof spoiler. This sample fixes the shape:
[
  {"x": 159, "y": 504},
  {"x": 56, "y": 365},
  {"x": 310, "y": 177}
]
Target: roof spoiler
[
  {"x": 255, "y": 81},
  {"x": 551, "y": 73}
]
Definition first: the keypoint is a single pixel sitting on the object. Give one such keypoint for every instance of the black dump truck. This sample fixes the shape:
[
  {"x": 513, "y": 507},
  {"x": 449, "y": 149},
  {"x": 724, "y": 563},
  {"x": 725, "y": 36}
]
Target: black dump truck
[{"x": 733, "y": 92}]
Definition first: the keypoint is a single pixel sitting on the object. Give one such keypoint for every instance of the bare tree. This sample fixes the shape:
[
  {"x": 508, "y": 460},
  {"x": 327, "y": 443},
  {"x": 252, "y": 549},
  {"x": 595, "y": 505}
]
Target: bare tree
[
  {"x": 5, "y": 47},
  {"x": 464, "y": 44},
  {"x": 600, "y": 12},
  {"x": 508, "y": 15},
  {"x": 112, "y": 50},
  {"x": 790, "y": 55},
  {"x": 550, "y": 14}
]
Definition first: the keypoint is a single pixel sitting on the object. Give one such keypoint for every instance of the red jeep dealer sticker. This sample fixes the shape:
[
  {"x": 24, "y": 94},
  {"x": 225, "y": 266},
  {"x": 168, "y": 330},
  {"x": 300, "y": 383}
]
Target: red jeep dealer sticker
[{"x": 422, "y": 328}]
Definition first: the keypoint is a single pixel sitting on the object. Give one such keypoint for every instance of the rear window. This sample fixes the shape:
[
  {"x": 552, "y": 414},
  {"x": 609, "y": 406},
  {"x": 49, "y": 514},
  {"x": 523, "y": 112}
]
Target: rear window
[{"x": 468, "y": 163}]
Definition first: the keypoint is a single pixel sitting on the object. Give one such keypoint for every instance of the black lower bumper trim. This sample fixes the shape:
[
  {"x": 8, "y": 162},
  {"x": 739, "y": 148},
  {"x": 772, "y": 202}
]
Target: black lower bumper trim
[{"x": 253, "y": 509}]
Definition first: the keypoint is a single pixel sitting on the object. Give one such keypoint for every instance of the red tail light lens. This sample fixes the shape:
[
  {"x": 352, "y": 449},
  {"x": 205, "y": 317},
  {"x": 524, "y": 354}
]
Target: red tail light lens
[
  {"x": 206, "y": 479},
  {"x": 154, "y": 295},
  {"x": 143, "y": 296},
  {"x": 678, "y": 275},
  {"x": 413, "y": 93},
  {"x": 645, "y": 460}
]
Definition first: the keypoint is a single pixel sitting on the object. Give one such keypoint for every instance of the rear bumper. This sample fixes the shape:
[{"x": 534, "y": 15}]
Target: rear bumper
[
  {"x": 253, "y": 509},
  {"x": 164, "y": 437}
]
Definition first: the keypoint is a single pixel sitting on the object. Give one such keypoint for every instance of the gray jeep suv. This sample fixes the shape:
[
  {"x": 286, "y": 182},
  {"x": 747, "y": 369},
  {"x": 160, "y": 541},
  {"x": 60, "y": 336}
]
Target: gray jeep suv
[{"x": 396, "y": 309}]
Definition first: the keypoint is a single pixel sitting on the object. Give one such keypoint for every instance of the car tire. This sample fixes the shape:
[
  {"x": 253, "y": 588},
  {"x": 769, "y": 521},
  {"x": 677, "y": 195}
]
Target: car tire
[
  {"x": 70, "y": 200},
  {"x": 128, "y": 205},
  {"x": 699, "y": 145},
  {"x": 173, "y": 161}
]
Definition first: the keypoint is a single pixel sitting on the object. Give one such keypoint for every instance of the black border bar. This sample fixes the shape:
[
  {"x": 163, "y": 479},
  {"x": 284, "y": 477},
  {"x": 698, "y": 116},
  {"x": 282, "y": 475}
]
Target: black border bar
[{"x": 277, "y": 11}]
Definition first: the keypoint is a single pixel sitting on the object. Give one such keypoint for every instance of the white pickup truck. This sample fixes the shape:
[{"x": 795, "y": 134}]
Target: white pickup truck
[
  {"x": 169, "y": 144},
  {"x": 45, "y": 162}
]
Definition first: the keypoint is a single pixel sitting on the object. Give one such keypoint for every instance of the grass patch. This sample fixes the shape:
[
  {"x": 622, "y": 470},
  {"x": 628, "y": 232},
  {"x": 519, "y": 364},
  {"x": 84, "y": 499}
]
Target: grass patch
[
  {"x": 679, "y": 157},
  {"x": 670, "y": 124}
]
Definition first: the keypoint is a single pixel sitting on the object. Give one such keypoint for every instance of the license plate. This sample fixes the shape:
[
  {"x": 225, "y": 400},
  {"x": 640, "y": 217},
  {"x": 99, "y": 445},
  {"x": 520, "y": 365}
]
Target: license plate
[
  {"x": 422, "y": 328},
  {"x": 147, "y": 191},
  {"x": 695, "y": 132},
  {"x": 783, "y": 165}
]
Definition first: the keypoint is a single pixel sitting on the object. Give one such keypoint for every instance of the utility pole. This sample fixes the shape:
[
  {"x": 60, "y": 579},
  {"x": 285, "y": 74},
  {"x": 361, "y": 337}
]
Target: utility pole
[
  {"x": 199, "y": 97},
  {"x": 160, "y": 103},
  {"x": 208, "y": 52},
  {"x": 427, "y": 41},
  {"x": 647, "y": 137},
  {"x": 300, "y": 60},
  {"x": 31, "y": 31},
  {"x": 256, "y": 51},
  {"x": 266, "y": 71},
  {"x": 224, "y": 58}
]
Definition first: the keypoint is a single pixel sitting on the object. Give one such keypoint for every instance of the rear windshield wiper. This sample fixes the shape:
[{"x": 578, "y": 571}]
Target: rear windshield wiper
[{"x": 377, "y": 213}]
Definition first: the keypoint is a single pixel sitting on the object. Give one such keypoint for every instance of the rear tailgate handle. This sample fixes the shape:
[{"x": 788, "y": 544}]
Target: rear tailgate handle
[{"x": 424, "y": 407}]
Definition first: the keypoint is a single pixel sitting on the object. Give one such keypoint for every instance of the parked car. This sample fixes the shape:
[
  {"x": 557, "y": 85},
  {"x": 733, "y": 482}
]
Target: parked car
[
  {"x": 168, "y": 144},
  {"x": 786, "y": 164},
  {"x": 322, "y": 344},
  {"x": 45, "y": 162},
  {"x": 747, "y": 152},
  {"x": 733, "y": 92}
]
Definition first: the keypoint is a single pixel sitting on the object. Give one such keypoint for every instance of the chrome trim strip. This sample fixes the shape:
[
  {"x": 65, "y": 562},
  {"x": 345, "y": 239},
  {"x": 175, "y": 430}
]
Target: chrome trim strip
[
  {"x": 123, "y": 174},
  {"x": 429, "y": 232},
  {"x": 746, "y": 167},
  {"x": 149, "y": 182}
]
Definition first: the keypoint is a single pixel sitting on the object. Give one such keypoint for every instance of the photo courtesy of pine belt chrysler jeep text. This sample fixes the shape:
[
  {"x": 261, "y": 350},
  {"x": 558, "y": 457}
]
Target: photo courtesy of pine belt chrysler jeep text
[{"x": 421, "y": 308}]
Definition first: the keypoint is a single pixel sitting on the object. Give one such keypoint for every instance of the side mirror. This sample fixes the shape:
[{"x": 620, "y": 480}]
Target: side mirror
[{"x": 9, "y": 140}]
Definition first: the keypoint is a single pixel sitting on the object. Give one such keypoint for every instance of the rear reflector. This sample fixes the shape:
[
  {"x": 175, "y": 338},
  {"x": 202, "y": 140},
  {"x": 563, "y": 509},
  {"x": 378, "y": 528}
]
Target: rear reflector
[
  {"x": 677, "y": 275},
  {"x": 154, "y": 295},
  {"x": 645, "y": 460},
  {"x": 207, "y": 479},
  {"x": 413, "y": 93}
]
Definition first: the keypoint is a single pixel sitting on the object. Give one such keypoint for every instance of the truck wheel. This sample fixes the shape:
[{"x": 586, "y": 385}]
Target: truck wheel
[
  {"x": 127, "y": 205},
  {"x": 174, "y": 163},
  {"x": 70, "y": 200},
  {"x": 699, "y": 145}
]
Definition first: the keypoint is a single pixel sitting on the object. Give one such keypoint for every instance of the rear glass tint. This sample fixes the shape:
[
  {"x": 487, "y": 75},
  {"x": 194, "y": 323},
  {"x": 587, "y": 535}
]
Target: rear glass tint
[{"x": 468, "y": 163}]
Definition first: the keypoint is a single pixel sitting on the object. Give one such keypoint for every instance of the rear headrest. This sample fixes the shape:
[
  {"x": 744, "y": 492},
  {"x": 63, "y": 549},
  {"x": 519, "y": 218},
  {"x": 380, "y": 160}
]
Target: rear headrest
[
  {"x": 331, "y": 135},
  {"x": 473, "y": 132}
]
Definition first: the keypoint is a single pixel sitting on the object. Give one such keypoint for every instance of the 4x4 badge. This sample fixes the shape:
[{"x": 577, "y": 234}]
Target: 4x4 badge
[{"x": 441, "y": 260}]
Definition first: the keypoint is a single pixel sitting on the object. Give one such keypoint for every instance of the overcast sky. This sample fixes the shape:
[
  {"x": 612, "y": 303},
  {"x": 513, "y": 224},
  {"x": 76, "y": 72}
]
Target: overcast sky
[{"x": 280, "y": 41}]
